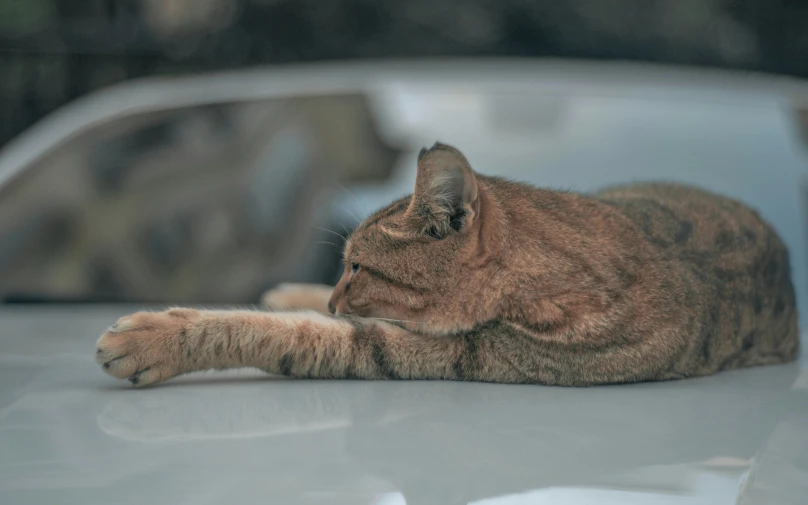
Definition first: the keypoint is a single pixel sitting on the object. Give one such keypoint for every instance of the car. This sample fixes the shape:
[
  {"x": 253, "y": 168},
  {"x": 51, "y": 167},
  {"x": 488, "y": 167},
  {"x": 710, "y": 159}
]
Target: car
[{"x": 209, "y": 189}]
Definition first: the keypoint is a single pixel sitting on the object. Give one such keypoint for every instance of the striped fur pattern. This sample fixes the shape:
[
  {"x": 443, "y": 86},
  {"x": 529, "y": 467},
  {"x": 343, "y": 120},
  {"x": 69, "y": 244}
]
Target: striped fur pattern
[{"x": 481, "y": 279}]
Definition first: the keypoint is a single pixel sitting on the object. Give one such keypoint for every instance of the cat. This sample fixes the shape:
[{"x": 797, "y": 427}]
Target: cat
[{"x": 479, "y": 278}]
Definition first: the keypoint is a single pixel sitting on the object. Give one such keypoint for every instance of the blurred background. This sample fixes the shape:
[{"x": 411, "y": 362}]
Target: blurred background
[{"x": 201, "y": 151}]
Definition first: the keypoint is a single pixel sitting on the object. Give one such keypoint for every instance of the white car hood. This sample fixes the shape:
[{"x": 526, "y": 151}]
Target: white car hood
[{"x": 71, "y": 434}]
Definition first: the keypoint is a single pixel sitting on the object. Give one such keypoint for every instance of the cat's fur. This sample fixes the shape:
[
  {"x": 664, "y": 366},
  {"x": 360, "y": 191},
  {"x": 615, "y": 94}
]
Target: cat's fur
[{"x": 481, "y": 279}]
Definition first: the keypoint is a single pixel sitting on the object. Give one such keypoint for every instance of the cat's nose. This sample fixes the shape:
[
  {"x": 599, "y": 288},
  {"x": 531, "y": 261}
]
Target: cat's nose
[{"x": 337, "y": 300}]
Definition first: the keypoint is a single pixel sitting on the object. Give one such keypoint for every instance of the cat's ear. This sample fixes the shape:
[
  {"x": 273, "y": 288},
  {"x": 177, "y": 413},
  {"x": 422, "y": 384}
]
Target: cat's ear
[{"x": 445, "y": 200}]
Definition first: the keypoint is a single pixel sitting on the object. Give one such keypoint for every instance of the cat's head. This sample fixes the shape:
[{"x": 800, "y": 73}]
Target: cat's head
[{"x": 414, "y": 260}]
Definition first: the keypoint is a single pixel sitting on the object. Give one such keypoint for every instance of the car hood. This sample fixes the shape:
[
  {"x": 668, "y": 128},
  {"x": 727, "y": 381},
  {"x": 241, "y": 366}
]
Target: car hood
[{"x": 71, "y": 434}]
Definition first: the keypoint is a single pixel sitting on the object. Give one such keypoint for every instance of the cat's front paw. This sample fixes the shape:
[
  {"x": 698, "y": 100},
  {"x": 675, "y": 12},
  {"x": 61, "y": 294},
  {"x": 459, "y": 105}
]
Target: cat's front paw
[{"x": 145, "y": 347}]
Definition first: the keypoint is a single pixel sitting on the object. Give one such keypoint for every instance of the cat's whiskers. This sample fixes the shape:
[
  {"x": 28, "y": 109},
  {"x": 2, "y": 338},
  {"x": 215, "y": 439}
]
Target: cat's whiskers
[
  {"x": 330, "y": 231},
  {"x": 393, "y": 320},
  {"x": 347, "y": 231},
  {"x": 355, "y": 200}
]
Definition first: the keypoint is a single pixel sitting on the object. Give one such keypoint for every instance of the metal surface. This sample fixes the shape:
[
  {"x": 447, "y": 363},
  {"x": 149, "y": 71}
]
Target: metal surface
[{"x": 71, "y": 435}]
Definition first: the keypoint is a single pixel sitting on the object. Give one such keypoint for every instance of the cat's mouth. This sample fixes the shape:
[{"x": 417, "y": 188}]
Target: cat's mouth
[
  {"x": 373, "y": 312},
  {"x": 366, "y": 312}
]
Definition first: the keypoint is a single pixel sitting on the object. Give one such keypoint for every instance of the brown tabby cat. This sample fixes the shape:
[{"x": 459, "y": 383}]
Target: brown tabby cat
[{"x": 482, "y": 279}]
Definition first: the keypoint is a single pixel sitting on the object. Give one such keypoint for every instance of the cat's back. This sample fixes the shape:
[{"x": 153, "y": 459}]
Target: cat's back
[
  {"x": 736, "y": 263},
  {"x": 685, "y": 217}
]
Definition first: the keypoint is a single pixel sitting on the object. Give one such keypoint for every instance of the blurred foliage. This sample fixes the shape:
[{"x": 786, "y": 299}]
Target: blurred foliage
[
  {"x": 25, "y": 17},
  {"x": 52, "y": 51}
]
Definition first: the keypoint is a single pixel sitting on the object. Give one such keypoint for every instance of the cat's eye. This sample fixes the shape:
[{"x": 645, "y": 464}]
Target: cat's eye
[{"x": 355, "y": 267}]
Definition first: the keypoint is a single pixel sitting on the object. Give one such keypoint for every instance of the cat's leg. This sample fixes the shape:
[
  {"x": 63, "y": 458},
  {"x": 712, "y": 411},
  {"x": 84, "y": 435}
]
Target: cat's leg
[
  {"x": 298, "y": 296},
  {"x": 150, "y": 347}
]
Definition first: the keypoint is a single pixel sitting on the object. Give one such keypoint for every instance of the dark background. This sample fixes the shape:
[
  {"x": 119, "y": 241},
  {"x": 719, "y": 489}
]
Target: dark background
[{"x": 52, "y": 51}]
